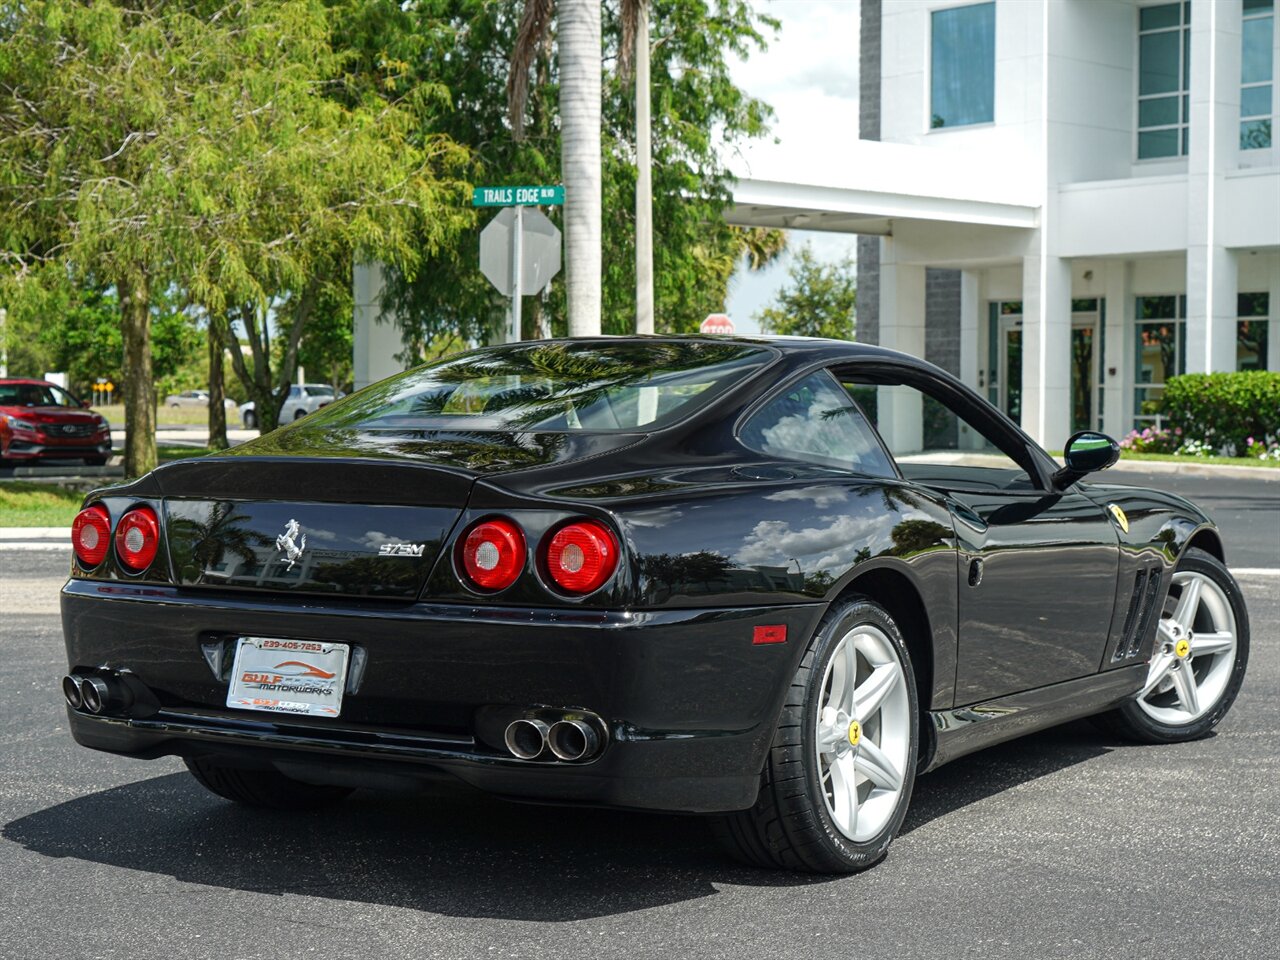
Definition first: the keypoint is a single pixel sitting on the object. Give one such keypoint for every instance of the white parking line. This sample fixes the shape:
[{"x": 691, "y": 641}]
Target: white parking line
[
  {"x": 1256, "y": 571},
  {"x": 34, "y": 545}
]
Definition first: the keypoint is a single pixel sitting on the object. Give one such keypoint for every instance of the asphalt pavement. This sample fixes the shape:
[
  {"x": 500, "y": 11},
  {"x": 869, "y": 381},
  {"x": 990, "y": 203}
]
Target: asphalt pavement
[
  {"x": 1244, "y": 505},
  {"x": 1067, "y": 843}
]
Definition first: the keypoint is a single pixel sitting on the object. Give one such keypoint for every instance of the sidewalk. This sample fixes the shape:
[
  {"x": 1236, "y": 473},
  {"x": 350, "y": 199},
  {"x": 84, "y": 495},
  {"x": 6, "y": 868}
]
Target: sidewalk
[{"x": 35, "y": 538}]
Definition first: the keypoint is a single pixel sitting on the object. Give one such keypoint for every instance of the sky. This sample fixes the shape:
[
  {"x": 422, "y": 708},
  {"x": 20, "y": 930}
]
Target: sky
[{"x": 809, "y": 75}]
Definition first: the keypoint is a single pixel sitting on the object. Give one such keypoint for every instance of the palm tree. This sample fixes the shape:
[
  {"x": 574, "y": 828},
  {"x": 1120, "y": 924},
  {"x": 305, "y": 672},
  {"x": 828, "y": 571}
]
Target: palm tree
[{"x": 578, "y": 37}]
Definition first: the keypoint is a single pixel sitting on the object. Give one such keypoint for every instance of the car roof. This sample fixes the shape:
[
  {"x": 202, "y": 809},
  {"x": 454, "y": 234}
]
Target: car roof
[{"x": 28, "y": 381}]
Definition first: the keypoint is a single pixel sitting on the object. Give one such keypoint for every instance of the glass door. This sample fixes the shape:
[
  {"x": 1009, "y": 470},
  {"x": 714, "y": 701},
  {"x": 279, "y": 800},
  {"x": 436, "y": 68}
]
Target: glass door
[
  {"x": 1010, "y": 359},
  {"x": 1086, "y": 364}
]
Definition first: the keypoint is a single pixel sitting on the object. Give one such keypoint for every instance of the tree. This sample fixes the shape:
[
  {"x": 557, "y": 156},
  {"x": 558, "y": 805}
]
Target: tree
[
  {"x": 211, "y": 146},
  {"x": 818, "y": 300},
  {"x": 578, "y": 40},
  {"x": 699, "y": 116}
]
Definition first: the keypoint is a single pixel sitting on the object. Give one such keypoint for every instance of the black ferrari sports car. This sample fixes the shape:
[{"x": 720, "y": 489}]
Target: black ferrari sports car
[{"x": 771, "y": 580}]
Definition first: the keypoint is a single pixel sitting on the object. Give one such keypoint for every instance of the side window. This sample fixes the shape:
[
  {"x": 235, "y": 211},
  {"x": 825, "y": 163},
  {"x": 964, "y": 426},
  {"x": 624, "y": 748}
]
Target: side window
[
  {"x": 816, "y": 421},
  {"x": 295, "y": 393},
  {"x": 932, "y": 443}
]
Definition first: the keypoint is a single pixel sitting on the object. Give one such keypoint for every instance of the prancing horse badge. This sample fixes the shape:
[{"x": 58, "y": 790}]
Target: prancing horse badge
[
  {"x": 1118, "y": 516},
  {"x": 290, "y": 543}
]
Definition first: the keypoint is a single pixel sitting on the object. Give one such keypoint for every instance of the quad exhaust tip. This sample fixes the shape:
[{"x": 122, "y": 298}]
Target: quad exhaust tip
[
  {"x": 96, "y": 694},
  {"x": 526, "y": 738},
  {"x": 71, "y": 690},
  {"x": 570, "y": 738}
]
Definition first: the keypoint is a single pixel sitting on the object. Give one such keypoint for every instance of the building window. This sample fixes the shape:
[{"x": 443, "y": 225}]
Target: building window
[
  {"x": 963, "y": 66},
  {"x": 1256, "y": 73},
  {"x": 1164, "y": 77},
  {"x": 1252, "y": 328},
  {"x": 1160, "y": 352}
]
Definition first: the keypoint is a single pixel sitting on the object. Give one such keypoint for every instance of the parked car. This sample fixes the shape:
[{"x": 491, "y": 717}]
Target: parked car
[
  {"x": 195, "y": 398},
  {"x": 303, "y": 399},
  {"x": 188, "y": 398},
  {"x": 744, "y": 577},
  {"x": 42, "y": 421}
]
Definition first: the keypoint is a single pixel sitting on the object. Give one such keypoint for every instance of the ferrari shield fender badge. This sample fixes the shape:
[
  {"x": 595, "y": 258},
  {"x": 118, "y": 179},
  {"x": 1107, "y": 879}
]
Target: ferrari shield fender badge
[
  {"x": 1118, "y": 516},
  {"x": 291, "y": 543}
]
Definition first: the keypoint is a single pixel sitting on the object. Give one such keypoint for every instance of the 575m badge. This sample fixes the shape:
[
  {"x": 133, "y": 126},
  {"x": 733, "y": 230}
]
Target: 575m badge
[{"x": 401, "y": 549}]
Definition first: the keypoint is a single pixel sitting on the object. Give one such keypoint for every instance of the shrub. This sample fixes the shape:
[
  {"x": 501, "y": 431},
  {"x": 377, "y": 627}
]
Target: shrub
[
  {"x": 1228, "y": 411},
  {"x": 1152, "y": 440}
]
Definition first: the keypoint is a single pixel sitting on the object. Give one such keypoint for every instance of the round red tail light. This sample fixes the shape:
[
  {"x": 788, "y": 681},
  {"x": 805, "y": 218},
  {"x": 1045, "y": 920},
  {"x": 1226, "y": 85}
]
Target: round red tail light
[
  {"x": 493, "y": 554},
  {"x": 580, "y": 557},
  {"x": 91, "y": 535},
  {"x": 138, "y": 538}
]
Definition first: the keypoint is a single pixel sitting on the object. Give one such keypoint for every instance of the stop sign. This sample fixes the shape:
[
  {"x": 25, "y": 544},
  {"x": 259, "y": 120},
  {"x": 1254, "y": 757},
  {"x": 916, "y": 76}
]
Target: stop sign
[{"x": 717, "y": 323}]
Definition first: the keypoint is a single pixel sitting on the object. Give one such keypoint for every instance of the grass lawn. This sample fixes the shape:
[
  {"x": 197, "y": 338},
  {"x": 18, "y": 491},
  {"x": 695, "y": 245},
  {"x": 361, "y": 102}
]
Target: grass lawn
[
  {"x": 37, "y": 504},
  {"x": 24, "y": 504},
  {"x": 166, "y": 416},
  {"x": 1171, "y": 458},
  {"x": 166, "y": 453}
]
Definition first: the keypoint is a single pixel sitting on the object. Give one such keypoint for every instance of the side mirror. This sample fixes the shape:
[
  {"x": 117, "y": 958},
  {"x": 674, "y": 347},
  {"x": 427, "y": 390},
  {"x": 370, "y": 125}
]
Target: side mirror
[
  {"x": 85, "y": 404},
  {"x": 1085, "y": 453}
]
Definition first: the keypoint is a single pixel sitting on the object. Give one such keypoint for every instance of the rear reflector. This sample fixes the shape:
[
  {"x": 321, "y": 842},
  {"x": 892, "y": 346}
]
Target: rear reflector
[
  {"x": 581, "y": 556},
  {"x": 493, "y": 554},
  {"x": 91, "y": 535},
  {"x": 138, "y": 538},
  {"x": 774, "y": 633}
]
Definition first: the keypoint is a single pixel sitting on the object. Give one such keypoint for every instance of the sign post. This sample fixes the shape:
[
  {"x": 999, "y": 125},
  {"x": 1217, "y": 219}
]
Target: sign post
[
  {"x": 517, "y": 276},
  {"x": 519, "y": 251}
]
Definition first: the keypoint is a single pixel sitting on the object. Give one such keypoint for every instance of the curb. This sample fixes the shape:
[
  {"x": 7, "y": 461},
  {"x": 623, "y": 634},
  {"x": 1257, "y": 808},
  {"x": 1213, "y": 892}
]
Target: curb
[
  {"x": 1192, "y": 469},
  {"x": 61, "y": 534}
]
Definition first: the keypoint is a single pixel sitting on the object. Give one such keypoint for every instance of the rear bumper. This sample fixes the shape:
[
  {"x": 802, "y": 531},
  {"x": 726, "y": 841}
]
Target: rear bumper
[{"x": 689, "y": 702}]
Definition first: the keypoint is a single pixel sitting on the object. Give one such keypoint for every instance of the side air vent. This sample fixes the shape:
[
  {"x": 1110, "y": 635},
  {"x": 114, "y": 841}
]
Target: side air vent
[
  {"x": 1131, "y": 617},
  {"x": 1138, "y": 620},
  {"x": 1149, "y": 611}
]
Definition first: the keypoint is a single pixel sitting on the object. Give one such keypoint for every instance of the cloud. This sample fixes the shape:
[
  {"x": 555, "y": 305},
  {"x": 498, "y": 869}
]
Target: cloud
[
  {"x": 822, "y": 497},
  {"x": 657, "y": 517},
  {"x": 776, "y": 542}
]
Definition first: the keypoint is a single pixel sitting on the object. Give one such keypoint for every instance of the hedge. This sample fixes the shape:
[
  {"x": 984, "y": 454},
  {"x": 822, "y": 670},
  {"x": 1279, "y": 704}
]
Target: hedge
[{"x": 1225, "y": 409}]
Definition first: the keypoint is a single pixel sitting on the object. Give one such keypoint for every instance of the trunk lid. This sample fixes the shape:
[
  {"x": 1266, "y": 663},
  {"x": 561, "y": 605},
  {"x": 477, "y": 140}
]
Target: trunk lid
[{"x": 308, "y": 526}]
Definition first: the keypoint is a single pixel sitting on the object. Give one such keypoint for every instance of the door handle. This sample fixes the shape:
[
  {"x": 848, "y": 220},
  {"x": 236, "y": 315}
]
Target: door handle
[{"x": 975, "y": 571}]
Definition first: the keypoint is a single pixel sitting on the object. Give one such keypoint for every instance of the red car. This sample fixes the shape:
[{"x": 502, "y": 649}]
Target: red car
[{"x": 41, "y": 421}]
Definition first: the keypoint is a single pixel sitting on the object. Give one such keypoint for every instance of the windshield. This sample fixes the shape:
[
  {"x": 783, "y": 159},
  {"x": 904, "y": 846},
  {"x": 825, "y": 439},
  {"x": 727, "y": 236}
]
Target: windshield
[
  {"x": 35, "y": 395},
  {"x": 551, "y": 387}
]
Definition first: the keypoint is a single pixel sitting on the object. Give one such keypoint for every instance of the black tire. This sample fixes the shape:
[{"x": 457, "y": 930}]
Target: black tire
[
  {"x": 299, "y": 414},
  {"x": 262, "y": 788},
  {"x": 1130, "y": 722},
  {"x": 250, "y": 420},
  {"x": 790, "y": 827}
]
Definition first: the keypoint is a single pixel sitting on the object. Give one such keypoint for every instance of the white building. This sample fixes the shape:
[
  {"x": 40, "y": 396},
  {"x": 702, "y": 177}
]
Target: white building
[{"x": 1065, "y": 202}]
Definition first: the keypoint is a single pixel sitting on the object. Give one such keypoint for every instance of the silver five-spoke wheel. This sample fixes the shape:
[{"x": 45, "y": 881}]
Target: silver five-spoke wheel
[
  {"x": 863, "y": 732},
  {"x": 1194, "y": 654}
]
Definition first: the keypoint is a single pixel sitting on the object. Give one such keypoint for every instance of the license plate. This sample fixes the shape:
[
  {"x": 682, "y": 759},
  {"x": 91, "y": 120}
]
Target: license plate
[{"x": 302, "y": 677}]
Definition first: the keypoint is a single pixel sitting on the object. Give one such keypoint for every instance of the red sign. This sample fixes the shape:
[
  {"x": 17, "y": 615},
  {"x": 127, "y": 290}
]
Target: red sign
[{"x": 717, "y": 323}]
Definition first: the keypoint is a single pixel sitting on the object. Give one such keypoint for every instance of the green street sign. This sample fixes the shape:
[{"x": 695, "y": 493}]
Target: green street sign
[{"x": 517, "y": 197}]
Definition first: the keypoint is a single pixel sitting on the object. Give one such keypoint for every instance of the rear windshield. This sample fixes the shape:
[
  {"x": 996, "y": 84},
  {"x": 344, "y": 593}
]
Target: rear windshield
[{"x": 551, "y": 387}]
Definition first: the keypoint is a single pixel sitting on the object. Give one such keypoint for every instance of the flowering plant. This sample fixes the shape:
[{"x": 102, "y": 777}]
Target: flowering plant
[
  {"x": 1268, "y": 448},
  {"x": 1152, "y": 440}
]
